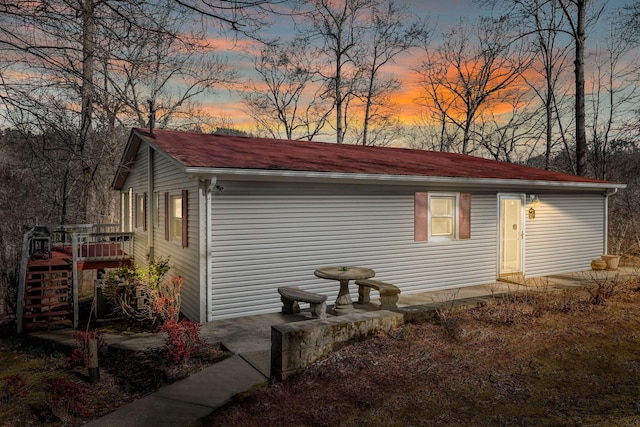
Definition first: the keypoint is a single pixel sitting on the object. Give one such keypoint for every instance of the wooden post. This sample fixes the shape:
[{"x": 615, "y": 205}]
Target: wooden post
[{"x": 94, "y": 370}]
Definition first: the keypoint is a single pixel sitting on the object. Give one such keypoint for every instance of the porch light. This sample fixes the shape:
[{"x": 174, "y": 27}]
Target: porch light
[{"x": 535, "y": 202}]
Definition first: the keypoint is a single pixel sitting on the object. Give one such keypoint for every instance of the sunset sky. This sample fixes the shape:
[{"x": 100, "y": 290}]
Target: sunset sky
[{"x": 441, "y": 15}]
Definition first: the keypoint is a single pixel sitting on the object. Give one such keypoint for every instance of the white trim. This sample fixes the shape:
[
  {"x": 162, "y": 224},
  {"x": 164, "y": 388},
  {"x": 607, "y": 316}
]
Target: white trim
[
  {"x": 605, "y": 243},
  {"x": 150, "y": 209},
  {"x": 308, "y": 176},
  {"x": 455, "y": 217},
  {"x": 208, "y": 245},
  {"x": 522, "y": 198},
  {"x": 203, "y": 242}
]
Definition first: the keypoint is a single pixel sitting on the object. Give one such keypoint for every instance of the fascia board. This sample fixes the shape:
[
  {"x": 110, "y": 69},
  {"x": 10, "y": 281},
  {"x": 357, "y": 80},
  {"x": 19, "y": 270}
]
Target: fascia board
[
  {"x": 307, "y": 176},
  {"x": 130, "y": 152}
]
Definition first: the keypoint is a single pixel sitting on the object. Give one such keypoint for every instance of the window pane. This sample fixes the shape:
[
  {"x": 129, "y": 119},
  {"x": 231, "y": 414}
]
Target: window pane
[
  {"x": 140, "y": 218},
  {"x": 176, "y": 218},
  {"x": 441, "y": 226},
  {"x": 177, "y": 207},
  {"x": 441, "y": 206}
]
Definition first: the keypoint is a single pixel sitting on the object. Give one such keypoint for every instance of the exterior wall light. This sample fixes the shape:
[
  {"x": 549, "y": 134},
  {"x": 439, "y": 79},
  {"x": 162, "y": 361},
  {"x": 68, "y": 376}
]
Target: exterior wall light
[{"x": 535, "y": 202}]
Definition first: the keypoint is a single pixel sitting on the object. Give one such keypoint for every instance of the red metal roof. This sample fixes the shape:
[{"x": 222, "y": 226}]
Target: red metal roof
[{"x": 236, "y": 152}]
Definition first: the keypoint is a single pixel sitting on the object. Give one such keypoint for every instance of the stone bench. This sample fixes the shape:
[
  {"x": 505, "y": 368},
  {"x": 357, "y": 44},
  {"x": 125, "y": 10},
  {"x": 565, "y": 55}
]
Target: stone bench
[
  {"x": 388, "y": 293},
  {"x": 290, "y": 296}
]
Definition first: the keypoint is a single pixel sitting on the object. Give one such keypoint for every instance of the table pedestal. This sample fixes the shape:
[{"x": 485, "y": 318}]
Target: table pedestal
[{"x": 344, "y": 303}]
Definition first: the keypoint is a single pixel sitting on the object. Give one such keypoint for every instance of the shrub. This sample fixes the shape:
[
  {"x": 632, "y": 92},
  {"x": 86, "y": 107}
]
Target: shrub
[
  {"x": 144, "y": 295},
  {"x": 183, "y": 338},
  {"x": 602, "y": 288}
]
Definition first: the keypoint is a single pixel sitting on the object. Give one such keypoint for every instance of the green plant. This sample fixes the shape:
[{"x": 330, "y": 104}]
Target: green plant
[{"x": 154, "y": 273}]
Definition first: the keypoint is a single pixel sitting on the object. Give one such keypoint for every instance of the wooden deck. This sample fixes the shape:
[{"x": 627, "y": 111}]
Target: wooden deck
[{"x": 48, "y": 289}]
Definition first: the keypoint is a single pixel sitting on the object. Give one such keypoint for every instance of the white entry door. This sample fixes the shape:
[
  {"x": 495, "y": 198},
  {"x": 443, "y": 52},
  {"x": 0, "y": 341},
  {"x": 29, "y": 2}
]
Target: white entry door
[{"x": 511, "y": 238}]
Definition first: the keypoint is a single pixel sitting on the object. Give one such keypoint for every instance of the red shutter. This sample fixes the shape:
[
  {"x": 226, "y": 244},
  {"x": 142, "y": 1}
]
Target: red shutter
[
  {"x": 464, "y": 226},
  {"x": 166, "y": 216},
  {"x": 185, "y": 228},
  {"x": 146, "y": 211},
  {"x": 420, "y": 217}
]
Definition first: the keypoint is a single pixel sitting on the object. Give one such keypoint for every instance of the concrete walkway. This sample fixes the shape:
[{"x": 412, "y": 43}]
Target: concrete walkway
[{"x": 249, "y": 338}]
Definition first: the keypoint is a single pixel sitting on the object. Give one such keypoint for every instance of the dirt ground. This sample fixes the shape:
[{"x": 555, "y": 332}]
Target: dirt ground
[{"x": 550, "y": 359}]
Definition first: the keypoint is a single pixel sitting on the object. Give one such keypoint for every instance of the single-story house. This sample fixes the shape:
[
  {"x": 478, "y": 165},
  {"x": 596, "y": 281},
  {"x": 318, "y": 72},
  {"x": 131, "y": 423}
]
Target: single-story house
[{"x": 240, "y": 217}]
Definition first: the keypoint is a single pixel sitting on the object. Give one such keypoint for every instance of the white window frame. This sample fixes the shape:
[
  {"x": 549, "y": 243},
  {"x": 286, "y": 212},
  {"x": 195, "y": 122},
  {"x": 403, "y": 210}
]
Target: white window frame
[
  {"x": 156, "y": 211},
  {"x": 140, "y": 211},
  {"x": 455, "y": 215},
  {"x": 175, "y": 222}
]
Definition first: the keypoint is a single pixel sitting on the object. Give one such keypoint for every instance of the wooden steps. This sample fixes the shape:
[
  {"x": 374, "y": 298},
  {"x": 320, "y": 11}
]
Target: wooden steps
[{"x": 48, "y": 298}]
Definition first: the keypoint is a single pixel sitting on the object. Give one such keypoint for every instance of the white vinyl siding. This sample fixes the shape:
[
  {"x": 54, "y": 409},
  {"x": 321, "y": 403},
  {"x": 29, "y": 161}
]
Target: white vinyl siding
[
  {"x": 566, "y": 234},
  {"x": 137, "y": 183},
  {"x": 185, "y": 261},
  {"x": 262, "y": 241}
]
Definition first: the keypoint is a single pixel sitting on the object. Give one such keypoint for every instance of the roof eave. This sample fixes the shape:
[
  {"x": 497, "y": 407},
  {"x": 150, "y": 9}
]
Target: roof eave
[
  {"x": 361, "y": 178},
  {"x": 133, "y": 144}
]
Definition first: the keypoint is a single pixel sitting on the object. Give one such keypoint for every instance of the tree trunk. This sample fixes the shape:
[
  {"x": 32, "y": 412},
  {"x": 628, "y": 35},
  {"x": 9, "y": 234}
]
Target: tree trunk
[
  {"x": 88, "y": 57},
  {"x": 581, "y": 135}
]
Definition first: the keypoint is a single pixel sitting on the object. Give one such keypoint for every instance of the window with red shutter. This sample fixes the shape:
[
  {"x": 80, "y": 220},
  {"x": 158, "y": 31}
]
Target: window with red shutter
[{"x": 442, "y": 216}]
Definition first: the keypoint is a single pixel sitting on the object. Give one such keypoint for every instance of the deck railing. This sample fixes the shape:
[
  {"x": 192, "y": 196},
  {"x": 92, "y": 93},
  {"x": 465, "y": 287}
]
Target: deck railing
[
  {"x": 61, "y": 234},
  {"x": 102, "y": 246}
]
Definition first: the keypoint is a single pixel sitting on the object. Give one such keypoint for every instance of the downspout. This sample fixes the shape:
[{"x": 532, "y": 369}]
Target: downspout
[{"x": 607, "y": 193}]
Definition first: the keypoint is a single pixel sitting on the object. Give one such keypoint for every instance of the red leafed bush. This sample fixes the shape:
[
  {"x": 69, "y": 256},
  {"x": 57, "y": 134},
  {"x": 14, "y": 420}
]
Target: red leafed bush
[{"x": 183, "y": 338}]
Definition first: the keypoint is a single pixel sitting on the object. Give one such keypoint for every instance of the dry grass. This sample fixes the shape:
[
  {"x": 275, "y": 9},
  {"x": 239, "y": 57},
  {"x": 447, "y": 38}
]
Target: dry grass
[{"x": 535, "y": 359}]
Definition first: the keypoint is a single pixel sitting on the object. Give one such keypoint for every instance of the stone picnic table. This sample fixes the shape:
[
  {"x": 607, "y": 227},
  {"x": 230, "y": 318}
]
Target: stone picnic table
[{"x": 343, "y": 274}]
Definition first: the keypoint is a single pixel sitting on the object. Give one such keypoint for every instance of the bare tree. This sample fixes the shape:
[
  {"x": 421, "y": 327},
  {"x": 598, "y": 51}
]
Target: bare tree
[
  {"x": 91, "y": 66},
  {"x": 339, "y": 29},
  {"x": 472, "y": 69},
  {"x": 245, "y": 17},
  {"x": 390, "y": 33},
  {"x": 545, "y": 20},
  {"x": 576, "y": 13},
  {"x": 508, "y": 134},
  {"x": 613, "y": 96},
  {"x": 287, "y": 98}
]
